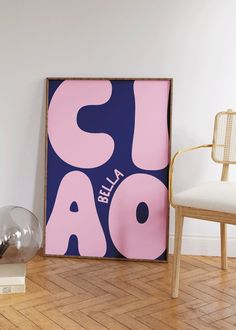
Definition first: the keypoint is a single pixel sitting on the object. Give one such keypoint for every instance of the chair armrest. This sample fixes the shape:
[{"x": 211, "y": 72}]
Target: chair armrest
[{"x": 171, "y": 169}]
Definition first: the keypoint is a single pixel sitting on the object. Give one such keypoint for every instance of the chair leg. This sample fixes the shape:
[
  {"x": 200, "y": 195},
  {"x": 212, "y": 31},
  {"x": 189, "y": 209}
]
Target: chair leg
[
  {"x": 223, "y": 239},
  {"x": 177, "y": 251}
]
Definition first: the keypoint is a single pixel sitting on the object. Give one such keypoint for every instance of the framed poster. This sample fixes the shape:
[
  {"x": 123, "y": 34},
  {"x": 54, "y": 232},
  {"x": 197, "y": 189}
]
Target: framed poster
[{"x": 107, "y": 167}]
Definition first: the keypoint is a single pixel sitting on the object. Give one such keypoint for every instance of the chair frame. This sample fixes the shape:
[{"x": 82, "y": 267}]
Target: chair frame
[{"x": 202, "y": 214}]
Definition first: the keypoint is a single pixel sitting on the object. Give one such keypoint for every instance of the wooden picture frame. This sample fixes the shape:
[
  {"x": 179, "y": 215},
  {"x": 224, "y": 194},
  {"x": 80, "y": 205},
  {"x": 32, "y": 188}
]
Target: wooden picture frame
[{"x": 107, "y": 160}]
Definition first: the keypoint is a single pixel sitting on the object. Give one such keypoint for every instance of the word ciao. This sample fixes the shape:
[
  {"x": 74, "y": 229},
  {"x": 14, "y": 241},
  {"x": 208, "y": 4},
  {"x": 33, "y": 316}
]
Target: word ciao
[
  {"x": 148, "y": 152},
  {"x": 106, "y": 191}
]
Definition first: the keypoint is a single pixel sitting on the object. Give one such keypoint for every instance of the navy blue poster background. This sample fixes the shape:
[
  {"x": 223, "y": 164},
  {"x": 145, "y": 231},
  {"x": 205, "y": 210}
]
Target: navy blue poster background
[{"x": 117, "y": 120}]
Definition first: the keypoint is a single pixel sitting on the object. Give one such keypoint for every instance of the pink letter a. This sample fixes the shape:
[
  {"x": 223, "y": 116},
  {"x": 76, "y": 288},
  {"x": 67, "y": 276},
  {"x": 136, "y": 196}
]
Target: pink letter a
[{"x": 85, "y": 224}]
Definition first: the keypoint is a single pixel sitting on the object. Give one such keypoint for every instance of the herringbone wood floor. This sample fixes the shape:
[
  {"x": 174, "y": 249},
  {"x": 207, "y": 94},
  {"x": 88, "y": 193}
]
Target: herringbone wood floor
[{"x": 104, "y": 294}]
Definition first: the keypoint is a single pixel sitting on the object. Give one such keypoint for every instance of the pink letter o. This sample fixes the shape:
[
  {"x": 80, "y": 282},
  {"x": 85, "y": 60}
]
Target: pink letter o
[{"x": 131, "y": 238}]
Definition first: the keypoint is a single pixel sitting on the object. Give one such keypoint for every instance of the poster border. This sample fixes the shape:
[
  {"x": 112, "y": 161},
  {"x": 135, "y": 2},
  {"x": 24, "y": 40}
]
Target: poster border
[{"x": 170, "y": 104}]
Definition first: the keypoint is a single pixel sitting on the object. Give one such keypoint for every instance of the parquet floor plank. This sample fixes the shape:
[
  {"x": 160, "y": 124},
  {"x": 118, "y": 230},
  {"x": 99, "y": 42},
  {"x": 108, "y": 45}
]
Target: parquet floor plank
[
  {"x": 46, "y": 284},
  {"x": 86, "y": 321},
  {"x": 110, "y": 304},
  {"x": 130, "y": 322},
  {"x": 137, "y": 304},
  {"x": 213, "y": 275},
  {"x": 66, "y": 285},
  {"x": 89, "y": 287},
  {"x": 154, "y": 308},
  {"x": 213, "y": 307},
  {"x": 231, "y": 319},
  {"x": 39, "y": 319},
  {"x": 200, "y": 324},
  {"x": 93, "y": 294},
  {"x": 222, "y": 313},
  {"x": 88, "y": 303},
  {"x": 154, "y": 323},
  {"x": 51, "y": 298},
  {"x": 11, "y": 300},
  {"x": 109, "y": 287},
  {"x": 223, "y": 325},
  {"x": 17, "y": 318},
  {"x": 130, "y": 289},
  {"x": 6, "y": 324},
  {"x": 107, "y": 321},
  {"x": 63, "y": 302},
  {"x": 62, "y": 320},
  {"x": 215, "y": 293}
]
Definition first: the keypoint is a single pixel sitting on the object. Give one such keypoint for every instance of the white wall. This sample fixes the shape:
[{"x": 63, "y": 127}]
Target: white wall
[{"x": 192, "y": 41}]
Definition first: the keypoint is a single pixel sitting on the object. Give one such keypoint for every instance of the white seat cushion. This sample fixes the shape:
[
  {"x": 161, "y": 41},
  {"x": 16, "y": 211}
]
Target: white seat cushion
[{"x": 214, "y": 196}]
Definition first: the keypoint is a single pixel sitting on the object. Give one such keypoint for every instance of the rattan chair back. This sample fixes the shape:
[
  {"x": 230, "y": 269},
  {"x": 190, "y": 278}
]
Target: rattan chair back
[{"x": 224, "y": 139}]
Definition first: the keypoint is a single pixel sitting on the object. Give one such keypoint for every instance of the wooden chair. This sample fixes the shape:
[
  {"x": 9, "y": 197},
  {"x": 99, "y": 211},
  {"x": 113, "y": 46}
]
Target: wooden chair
[{"x": 212, "y": 201}]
